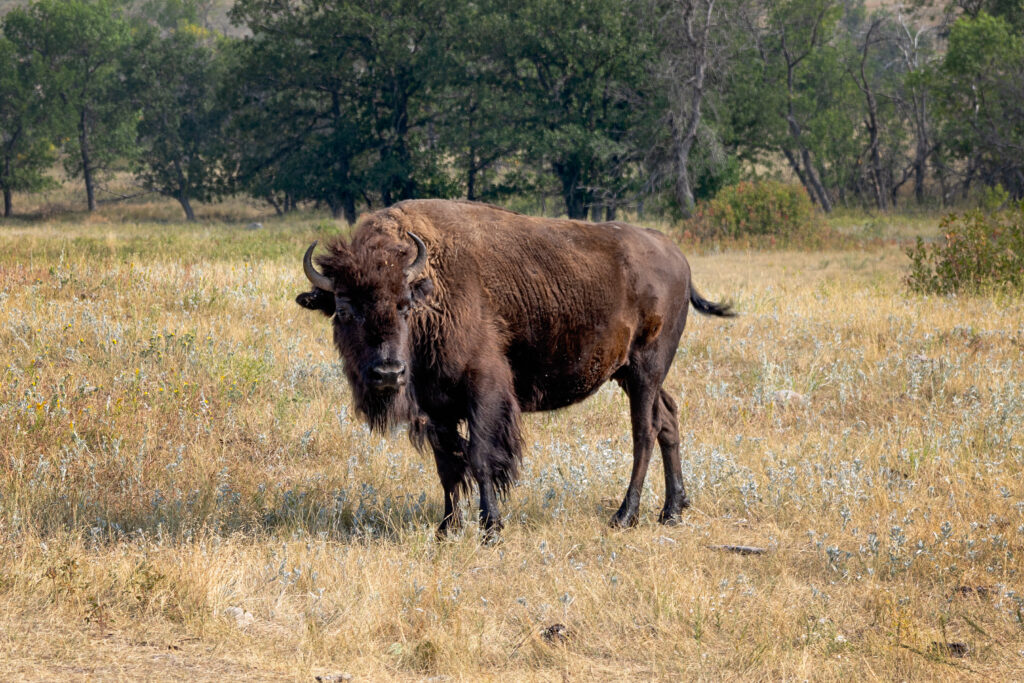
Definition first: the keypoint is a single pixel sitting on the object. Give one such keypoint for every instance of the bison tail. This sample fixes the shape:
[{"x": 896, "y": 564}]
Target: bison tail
[{"x": 705, "y": 307}]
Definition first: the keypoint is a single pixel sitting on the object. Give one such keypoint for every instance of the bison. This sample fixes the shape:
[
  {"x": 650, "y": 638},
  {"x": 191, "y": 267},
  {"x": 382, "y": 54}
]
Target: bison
[{"x": 455, "y": 317}]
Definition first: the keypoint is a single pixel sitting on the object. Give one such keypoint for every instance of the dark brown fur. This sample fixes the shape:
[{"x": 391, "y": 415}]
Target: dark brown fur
[{"x": 511, "y": 313}]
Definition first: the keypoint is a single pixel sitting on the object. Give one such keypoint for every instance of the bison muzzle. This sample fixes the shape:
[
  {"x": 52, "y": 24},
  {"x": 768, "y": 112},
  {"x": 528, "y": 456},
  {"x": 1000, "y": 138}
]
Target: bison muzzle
[{"x": 452, "y": 314}]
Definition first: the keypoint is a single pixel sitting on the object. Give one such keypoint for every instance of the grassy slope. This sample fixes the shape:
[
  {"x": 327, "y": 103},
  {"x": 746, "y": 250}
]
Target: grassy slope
[{"x": 176, "y": 440}]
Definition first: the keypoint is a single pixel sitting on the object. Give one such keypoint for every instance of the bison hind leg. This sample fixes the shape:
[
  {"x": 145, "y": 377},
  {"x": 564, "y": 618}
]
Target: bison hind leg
[
  {"x": 666, "y": 421},
  {"x": 643, "y": 395},
  {"x": 654, "y": 417}
]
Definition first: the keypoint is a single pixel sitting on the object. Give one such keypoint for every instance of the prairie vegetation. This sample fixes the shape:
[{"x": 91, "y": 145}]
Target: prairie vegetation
[{"x": 185, "y": 493}]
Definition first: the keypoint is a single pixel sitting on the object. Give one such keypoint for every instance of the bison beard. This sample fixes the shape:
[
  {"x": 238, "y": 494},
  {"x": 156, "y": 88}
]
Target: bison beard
[
  {"x": 382, "y": 410},
  {"x": 484, "y": 313}
]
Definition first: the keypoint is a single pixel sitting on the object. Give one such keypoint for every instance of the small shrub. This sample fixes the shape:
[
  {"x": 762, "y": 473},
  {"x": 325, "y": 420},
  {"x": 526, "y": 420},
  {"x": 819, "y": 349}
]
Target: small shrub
[
  {"x": 980, "y": 250},
  {"x": 779, "y": 212}
]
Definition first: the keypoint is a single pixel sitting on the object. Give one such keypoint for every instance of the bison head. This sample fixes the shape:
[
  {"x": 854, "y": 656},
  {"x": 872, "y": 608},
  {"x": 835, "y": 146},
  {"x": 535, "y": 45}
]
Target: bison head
[{"x": 370, "y": 290}]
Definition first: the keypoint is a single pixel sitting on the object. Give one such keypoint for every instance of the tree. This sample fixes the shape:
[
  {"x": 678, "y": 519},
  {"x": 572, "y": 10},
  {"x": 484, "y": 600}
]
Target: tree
[
  {"x": 691, "y": 53},
  {"x": 872, "y": 120},
  {"x": 979, "y": 87},
  {"x": 341, "y": 98},
  {"x": 917, "y": 51},
  {"x": 577, "y": 71},
  {"x": 480, "y": 122},
  {"x": 789, "y": 94},
  {"x": 176, "y": 79},
  {"x": 25, "y": 148},
  {"x": 800, "y": 31},
  {"x": 1012, "y": 11},
  {"x": 77, "y": 46}
]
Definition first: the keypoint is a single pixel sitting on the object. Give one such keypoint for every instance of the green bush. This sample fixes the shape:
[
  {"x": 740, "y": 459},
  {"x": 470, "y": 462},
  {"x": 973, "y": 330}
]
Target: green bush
[
  {"x": 776, "y": 211},
  {"x": 979, "y": 250}
]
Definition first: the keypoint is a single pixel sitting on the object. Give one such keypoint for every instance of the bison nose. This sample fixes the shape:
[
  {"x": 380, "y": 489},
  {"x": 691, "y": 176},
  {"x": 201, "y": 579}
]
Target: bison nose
[{"x": 389, "y": 374}]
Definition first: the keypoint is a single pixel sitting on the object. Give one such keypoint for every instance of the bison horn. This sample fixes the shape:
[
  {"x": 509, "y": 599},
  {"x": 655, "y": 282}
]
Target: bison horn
[
  {"x": 416, "y": 267},
  {"x": 319, "y": 280}
]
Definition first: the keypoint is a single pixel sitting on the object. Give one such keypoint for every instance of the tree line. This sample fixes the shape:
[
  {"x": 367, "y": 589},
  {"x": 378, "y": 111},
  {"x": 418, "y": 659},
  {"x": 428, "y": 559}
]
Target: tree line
[{"x": 604, "y": 104}]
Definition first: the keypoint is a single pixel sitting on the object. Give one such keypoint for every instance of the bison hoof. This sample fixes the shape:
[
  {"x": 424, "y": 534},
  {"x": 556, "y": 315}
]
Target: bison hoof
[
  {"x": 449, "y": 528},
  {"x": 492, "y": 536},
  {"x": 622, "y": 520},
  {"x": 672, "y": 518}
]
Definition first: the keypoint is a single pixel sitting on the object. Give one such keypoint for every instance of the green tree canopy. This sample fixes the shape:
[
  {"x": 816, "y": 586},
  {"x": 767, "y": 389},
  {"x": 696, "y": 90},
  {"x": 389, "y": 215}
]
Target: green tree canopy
[
  {"x": 577, "y": 72},
  {"x": 336, "y": 101},
  {"x": 176, "y": 79},
  {"x": 76, "y": 48},
  {"x": 980, "y": 88},
  {"x": 25, "y": 148}
]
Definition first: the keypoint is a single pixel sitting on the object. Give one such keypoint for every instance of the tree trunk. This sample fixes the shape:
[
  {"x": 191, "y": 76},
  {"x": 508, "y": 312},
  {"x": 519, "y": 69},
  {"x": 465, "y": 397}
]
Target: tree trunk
[
  {"x": 684, "y": 191},
  {"x": 908, "y": 41},
  {"x": 349, "y": 203},
  {"x": 335, "y": 205},
  {"x": 922, "y": 149},
  {"x": 944, "y": 189},
  {"x": 808, "y": 178},
  {"x": 875, "y": 156},
  {"x": 471, "y": 184},
  {"x": 969, "y": 177},
  {"x": 182, "y": 192},
  {"x": 609, "y": 213},
  {"x": 190, "y": 215},
  {"x": 87, "y": 169},
  {"x": 343, "y": 206},
  {"x": 575, "y": 205},
  {"x": 8, "y": 207},
  {"x": 876, "y": 169},
  {"x": 575, "y": 197},
  {"x": 812, "y": 176},
  {"x": 919, "y": 170},
  {"x": 794, "y": 164},
  {"x": 471, "y": 175},
  {"x": 685, "y": 124},
  {"x": 877, "y": 179},
  {"x": 274, "y": 203}
]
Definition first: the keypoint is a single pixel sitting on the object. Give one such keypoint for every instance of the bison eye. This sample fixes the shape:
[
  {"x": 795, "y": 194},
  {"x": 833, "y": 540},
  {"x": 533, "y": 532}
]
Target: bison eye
[
  {"x": 343, "y": 309},
  {"x": 403, "y": 306}
]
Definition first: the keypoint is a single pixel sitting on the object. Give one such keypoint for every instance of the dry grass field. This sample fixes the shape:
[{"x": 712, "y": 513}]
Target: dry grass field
[{"x": 184, "y": 493}]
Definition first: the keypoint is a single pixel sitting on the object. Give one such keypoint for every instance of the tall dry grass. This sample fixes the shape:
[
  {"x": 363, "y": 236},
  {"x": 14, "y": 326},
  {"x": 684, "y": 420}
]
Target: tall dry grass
[{"x": 177, "y": 441}]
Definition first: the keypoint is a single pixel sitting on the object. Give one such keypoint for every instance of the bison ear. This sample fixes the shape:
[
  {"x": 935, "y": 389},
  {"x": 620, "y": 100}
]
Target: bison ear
[
  {"x": 317, "y": 300},
  {"x": 421, "y": 290}
]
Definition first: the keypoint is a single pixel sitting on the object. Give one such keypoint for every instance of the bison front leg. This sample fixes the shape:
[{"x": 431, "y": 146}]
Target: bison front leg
[
  {"x": 494, "y": 448},
  {"x": 450, "y": 457}
]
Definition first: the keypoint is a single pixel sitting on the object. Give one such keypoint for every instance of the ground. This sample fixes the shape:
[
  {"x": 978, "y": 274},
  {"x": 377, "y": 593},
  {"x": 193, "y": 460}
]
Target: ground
[{"x": 186, "y": 494}]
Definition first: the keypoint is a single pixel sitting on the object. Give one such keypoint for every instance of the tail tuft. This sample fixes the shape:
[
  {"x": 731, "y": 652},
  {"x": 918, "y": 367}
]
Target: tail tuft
[{"x": 722, "y": 309}]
